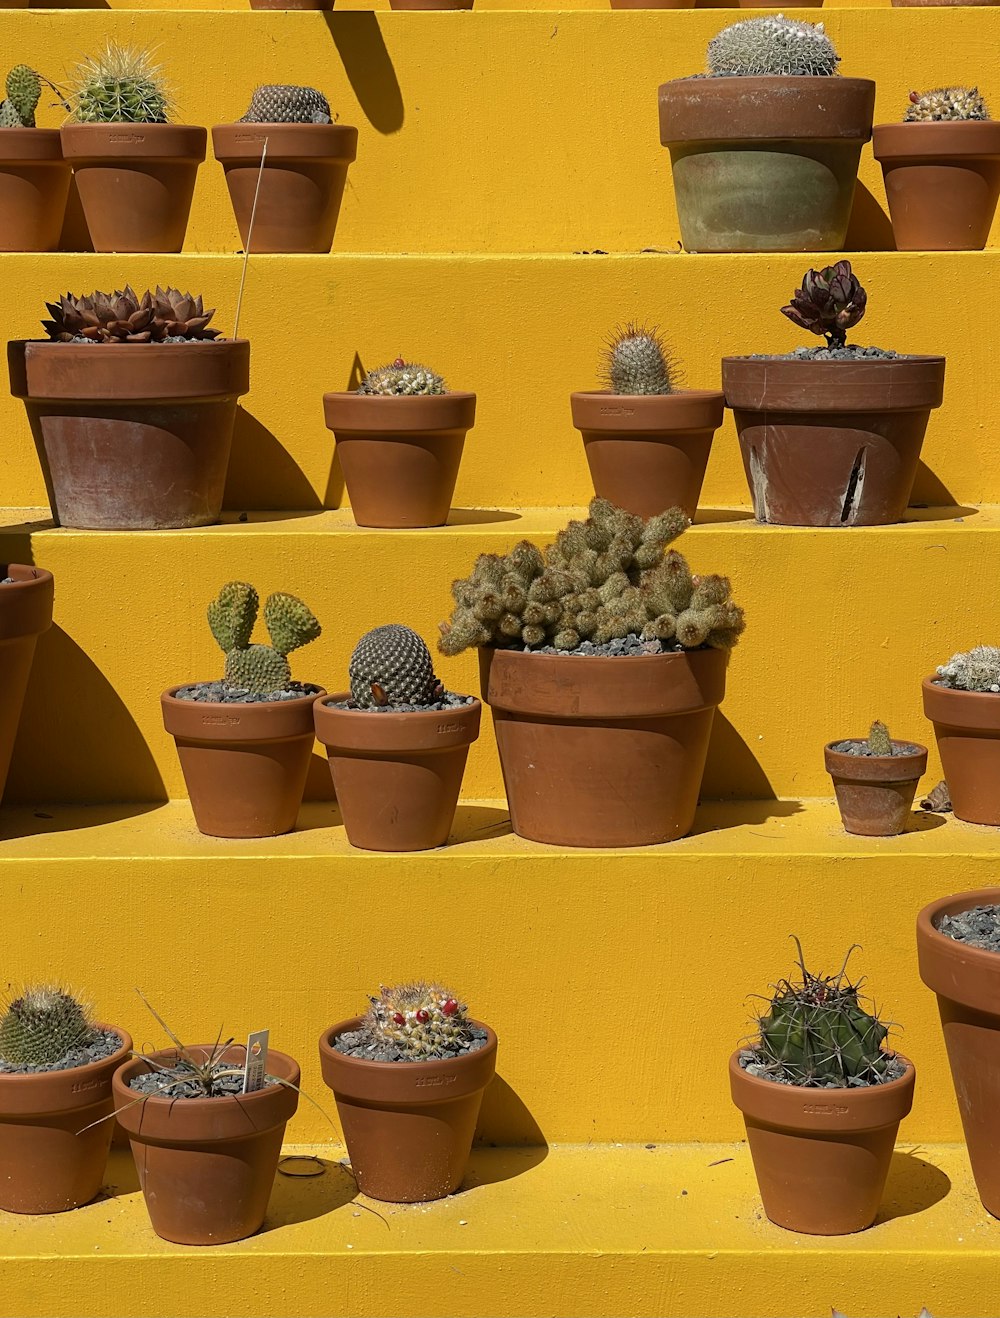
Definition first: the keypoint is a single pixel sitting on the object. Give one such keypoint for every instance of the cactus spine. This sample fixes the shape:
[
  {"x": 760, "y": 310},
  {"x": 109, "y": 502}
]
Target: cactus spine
[
  {"x": 422, "y": 1021},
  {"x": 259, "y": 669},
  {"x": 43, "y": 1026}
]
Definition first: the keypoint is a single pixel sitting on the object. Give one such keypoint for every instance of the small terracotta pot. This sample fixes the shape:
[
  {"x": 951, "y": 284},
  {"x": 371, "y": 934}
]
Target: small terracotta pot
[
  {"x": 25, "y": 612},
  {"x": 49, "y": 1162},
  {"x": 206, "y": 1165},
  {"x": 302, "y": 185},
  {"x": 135, "y": 182},
  {"x": 132, "y": 437},
  {"x": 821, "y": 1155},
  {"x": 875, "y": 792},
  {"x": 245, "y": 766},
  {"x": 34, "y": 186},
  {"x": 599, "y": 751},
  {"x": 400, "y": 455},
  {"x": 832, "y": 443},
  {"x": 649, "y": 452},
  {"x": 967, "y": 729},
  {"x": 408, "y": 1125},
  {"x": 765, "y": 164},
  {"x": 942, "y": 181}
]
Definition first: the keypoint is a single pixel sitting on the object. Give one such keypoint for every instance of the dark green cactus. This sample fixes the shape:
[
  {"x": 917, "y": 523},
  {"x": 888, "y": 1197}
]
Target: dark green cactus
[
  {"x": 423, "y": 1021},
  {"x": 392, "y": 666},
  {"x": 43, "y": 1026},
  {"x": 282, "y": 103},
  {"x": 260, "y": 669},
  {"x": 879, "y": 741},
  {"x": 122, "y": 85}
]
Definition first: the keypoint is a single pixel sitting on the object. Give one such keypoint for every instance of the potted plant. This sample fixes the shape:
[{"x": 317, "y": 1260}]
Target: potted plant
[
  {"x": 297, "y": 196},
  {"x": 132, "y": 402},
  {"x": 822, "y": 1098},
  {"x": 603, "y": 659},
  {"x": 244, "y": 742},
  {"x": 408, "y": 1078},
  {"x": 34, "y": 178},
  {"x": 942, "y": 171},
  {"x": 25, "y": 612},
  {"x": 205, "y": 1140},
  {"x": 399, "y": 439},
  {"x": 831, "y": 436},
  {"x": 56, "y": 1065},
  {"x": 764, "y": 149},
  {"x": 135, "y": 183},
  {"x": 958, "y": 939},
  {"x": 962, "y": 700},
  {"x": 647, "y": 441},
  {"x": 875, "y": 779},
  {"x": 398, "y": 743}
]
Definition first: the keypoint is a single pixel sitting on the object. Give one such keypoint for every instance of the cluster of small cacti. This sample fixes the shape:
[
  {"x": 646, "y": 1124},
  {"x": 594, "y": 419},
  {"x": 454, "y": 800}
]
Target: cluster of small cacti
[
  {"x": 637, "y": 362},
  {"x": 124, "y": 317},
  {"x": 830, "y": 302},
  {"x": 259, "y": 669},
  {"x": 400, "y": 378},
  {"x": 283, "y": 103},
  {"x": 422, "y": 1021},
  {"x": 946, "y": 103},
  {"x": 761, "y": 47},
  {"x": 391, "y": 665},
  {"x": 122, "y": 85},
  {"x": 977, "y": 669},
  {"x": 42, "y": 1026},
  {"x": 24, "y": 91},
  {"x": 601, "y": 579}
]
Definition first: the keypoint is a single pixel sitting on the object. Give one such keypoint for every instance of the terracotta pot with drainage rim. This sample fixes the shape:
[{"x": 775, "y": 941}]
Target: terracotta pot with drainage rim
[
  {"x": 34, "y": 187},
  {"x": 875, "y": 792},
  {"x": 25, "y": 613},
  {"x": 967, "y": 730}
]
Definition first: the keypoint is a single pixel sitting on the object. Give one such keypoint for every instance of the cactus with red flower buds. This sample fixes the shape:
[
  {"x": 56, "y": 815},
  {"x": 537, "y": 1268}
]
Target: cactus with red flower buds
[
  {"x": 830, "y": 302},
  {"x": 422, "y": 1021}
]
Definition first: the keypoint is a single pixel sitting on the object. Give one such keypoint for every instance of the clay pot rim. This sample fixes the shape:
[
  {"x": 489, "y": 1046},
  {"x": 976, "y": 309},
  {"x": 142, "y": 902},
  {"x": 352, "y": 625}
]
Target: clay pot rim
[
  {"x": 42, "y": 576},
  {"x": 977, "y": 957},
  {"x": 434, "y": 1067},
  {"x": 27, "y": 145},
  {"x": 882, "y": 768},
  {"x": 878, "y": 362},
  {"x": 107, "y": 348},
  {"x": 771, "y": 108},
  {"x": 682, "y": 411},
  {"x": 198, "y": 1106},
  {"x": 981, "y": 707},
  {"x": 758, "y": 1083},
  {"x": 941, "y": 138},
  {"x": 24, "y": 1079},
  {"x": 159, "y": 141}
]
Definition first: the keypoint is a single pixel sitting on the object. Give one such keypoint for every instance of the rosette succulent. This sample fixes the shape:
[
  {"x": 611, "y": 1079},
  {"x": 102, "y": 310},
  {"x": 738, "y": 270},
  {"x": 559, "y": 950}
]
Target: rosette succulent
[
  {"x": 830, "y": 302},
  {"x": 124, "y": 317}
]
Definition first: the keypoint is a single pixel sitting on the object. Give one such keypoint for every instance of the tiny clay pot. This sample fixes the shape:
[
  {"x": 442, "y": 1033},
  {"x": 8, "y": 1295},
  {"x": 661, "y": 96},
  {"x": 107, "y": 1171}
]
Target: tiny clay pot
[
  {"x": 875, "y": 792},
  {"x": 967, "y": 730},
  {"x": 34, "y": 187},
  {"x": 25, "y": 612}
]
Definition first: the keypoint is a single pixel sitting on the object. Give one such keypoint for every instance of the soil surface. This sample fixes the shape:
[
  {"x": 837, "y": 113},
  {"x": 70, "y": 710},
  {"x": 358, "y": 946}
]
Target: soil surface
[
  {"x": 851, "y": 353},
  {"x": 448, "y": 701},
  {"x": 622, "y": 645},
  {"x": 103, "y": 1044},
  {"x": 861, "y": 747},
  {"x": 751, "y": 1063},
  {"x": 218, "y": 693},
  {"x": 977, "y": 927},
  {"x": 362, "y": 1043},
  {"x": 229, "y": 1086}
]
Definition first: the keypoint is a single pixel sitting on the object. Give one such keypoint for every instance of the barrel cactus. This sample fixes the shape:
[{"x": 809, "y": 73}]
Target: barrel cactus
[
  {"x": 830, "y": 302},
  {"x": 392, "y": 666},
  {"x": 423, "y": 1021},
  {"x": 43, "y": 1026},
  {"x": 122, "y": 85},
  {"x": 259, "y": 669},
  {"x": 637, "y": 362},
  {"x": 283, "y": 103},
  {"x": 24, "y": 91},
  {"x": 946, "y": 104},
  {"x": 772, "y": 46},
  {"x": 977, "y": 669},
  {"x": 401, "y": 378}
]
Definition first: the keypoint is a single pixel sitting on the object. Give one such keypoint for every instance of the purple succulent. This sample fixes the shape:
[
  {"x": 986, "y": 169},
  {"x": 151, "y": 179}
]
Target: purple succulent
[{"x": 829, "y": 302}]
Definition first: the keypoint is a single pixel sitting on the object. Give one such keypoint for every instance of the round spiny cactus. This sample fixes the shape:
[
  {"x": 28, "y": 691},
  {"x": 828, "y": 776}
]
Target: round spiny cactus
[
  {"x": 636, "y": 362},
  {"x": 762, "y": 47},
  {"x": 120, "y": 86},
  {"x": 391, "y": 665},
  {"x": 976, "y": 670},
  {"x": 946, "y": 104},
  {"x": 43, "y": 1026},
  {"x": 283, "y": 103},
  {"x": 401, "y": 378},
  {"x": 423, "y": 1021}
]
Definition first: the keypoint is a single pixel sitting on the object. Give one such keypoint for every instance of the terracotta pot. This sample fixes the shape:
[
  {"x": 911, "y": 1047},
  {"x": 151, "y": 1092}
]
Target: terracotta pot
[
  {"x": 34, "y": 185},
  {"x": 49, "y": 1162},
  {"x": 599, "y": 751},
  {"x": 765, "y": 164},
  {"x": 25, "y": 612},
  {"x": 135, "y": 182},
  {"x": 648, "y": 452},
  {"x": 396, "y": 776},
  {"x": 400, "y": 456},
  {"x": 942, "y": 181},
  {"x": 245, "y": 766},
  {"x": 206, "y": 1165},
  {"x": 821, "y": 1155},
  {"x": 967, "y": 729},
  {"x": 875, "y": 792},
  {"x": 450, "y": 5},
  {"x": 408, "y": 1126},
  {"x": 832, "y": 443},
  {"x": 132, "y": 437},
  {"x": 302, "y": 184}
]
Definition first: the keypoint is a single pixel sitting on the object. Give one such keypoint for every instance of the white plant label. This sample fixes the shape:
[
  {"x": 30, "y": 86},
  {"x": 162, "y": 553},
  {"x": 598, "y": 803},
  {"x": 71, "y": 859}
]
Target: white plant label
[{"x": 256, "y": 1067}]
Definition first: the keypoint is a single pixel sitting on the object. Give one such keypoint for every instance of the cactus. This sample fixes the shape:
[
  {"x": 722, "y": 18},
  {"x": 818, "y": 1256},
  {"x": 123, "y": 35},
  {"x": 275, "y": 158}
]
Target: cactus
[
  {"x": 952, "y": 104},
  {"x": 830, "y": 302},
  {"x": 124, "y": 317},
  {"x": 423, "y": 1021},
  {"x": 636, "y": 362},
  {"x": 778, "y": 46},
  {"x": 976, "y": 670},
  {"x": 259, "y": 669},
  {"x": 401, "y": 377},
  {"x": 879, "y": 741},
  {"x": 43, "y": 1026},
  {"x": 284, "y": 104},
  {"x": 120, "y": 86},
  {"x": 392, "y": 666},
  {"x": 601, "y": 579},
  {"x": 24, "y": 91}
]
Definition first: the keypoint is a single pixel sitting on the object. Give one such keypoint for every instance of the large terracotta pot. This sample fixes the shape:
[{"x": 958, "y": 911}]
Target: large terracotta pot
[
  {"x": 245, "y": 766},
  {"x": 648, "y": 452},
  {"x": 765, "y": 164},
  {"x": 132, "y": 437},
  {"x": 34, "y": 185},
  {"x": 821, "y": 1155},
  {"x": 875, "y": 792},
  {"x": 396, "y": 776},
  {"x": 967, "y": 729},
  {"x": 942, "y": 181},
  {"x": 967, "y": 983},
  {"x": 400, "y": 455},
  {"x": 53, "y": 1139},
  {"x": 599, "y": 751},
  {"x": 25, "y": 612},
  {"x": 135, "y": 182},
  {"x": 831, "y": 443},
  {"x": 408, "y": 1126},
  {"x": 207, "y": 1165},
  {"x": 302, "y": 185}
]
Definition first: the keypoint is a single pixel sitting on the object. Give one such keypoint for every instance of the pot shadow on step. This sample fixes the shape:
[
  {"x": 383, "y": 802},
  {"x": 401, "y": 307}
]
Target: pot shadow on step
[
  {"x": 369, "y": 69},
  {"x": 932, "y": 500},
  {"x": 75, "y": 236},
  {"x": 732, "y": 769},
  {"x": 477, "y": 823},
  {"x": 262, "y": 474},
  {"x": 508, "y": 1139},
  {"x": 715, "y": 516},
  {"x": 869, "y": 228},
  {"x": 913, "y": 1186}
]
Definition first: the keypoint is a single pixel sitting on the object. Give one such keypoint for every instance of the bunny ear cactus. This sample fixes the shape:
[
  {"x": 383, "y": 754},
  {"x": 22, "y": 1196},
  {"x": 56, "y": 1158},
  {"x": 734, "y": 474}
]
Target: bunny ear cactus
[
  {"x": 830, "y": 302},
  {"x": 423, "y": 1021},
  {"x": 259, "y": 669},
  {"x": 43, "y": 1026},
  {"x": 637, "y": 362},
  {"x": 24, "y": 90}
]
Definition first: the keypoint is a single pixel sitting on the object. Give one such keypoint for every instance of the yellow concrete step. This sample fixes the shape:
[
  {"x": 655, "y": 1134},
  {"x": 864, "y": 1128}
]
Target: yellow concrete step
[
  {"x": 581, "y": 1231},
  {"x": 618, "y": 982}
]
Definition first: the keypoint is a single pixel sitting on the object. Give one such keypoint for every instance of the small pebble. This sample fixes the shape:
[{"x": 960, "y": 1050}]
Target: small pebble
[
  {"x": 850, "y": 353},
  {"x": 448, "y": 701},
  {"x": 858, "y": 747},
  {"x": 620, "y": 646},
  {"x": 362, "y": 1043},
  {"x": 979, "y": 926},
  {"x": 218, "y": 693}
]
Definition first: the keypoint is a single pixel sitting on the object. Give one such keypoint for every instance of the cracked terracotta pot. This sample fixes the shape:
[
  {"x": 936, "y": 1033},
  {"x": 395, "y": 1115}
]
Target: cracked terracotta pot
[
  {"x": 967, "y": 731},
  {"x": 34, "y": 186},
  {"x": 408, "y": 1126},
  {"x": 875, "y": 792},
  {"x": 821, "y": 1155},
  {"x": 25, "y": 612},
  {"x": 831, "y": 443},
  {"x": 648, "y": 452},
  {"x": 49, "y": 1162}
]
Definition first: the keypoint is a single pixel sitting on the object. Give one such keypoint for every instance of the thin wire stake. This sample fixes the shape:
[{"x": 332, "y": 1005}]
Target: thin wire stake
[{"x": 246, "y": 254}]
